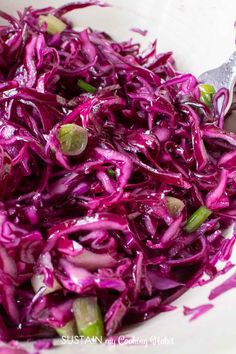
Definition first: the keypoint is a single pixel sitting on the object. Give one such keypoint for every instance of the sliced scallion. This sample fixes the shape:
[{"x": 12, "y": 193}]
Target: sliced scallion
[
  {"x": 54, "y": 24},
  {"x": 206, "y": 94},
  {"x": 88, "y": 317},
  {"x": 73, "y": 139},
  {"x": 69, "y": 330},
  {"x": 86, "y": 87},
  {"x": 111, "y": 173},
  {"x": 197, "y": 218},
  {"x": 174, "y": 205}
]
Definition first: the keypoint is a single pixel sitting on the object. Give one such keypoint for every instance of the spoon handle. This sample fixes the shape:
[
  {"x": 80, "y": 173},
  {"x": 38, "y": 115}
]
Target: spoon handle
[{"x": 222, "y": 77}]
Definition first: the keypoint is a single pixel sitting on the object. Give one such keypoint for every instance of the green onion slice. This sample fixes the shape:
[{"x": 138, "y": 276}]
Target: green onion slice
[
  {"x": 111, "y": 173},
  {"x": 86, "y": 87},
  {"x": 174, "y": 205},
  {"x": 197, "y": 218},
  {"x": 54, "y": 24},
  {"x": 88, "y": 317},
  {"x": 206, "y": 94},
  {"x": 69, "y": 330},
  {"x": 73, "y": 139}
]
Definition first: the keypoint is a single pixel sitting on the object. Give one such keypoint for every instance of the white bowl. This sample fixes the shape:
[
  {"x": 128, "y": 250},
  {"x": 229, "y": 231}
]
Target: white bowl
[{"x": 201, "y": 34}]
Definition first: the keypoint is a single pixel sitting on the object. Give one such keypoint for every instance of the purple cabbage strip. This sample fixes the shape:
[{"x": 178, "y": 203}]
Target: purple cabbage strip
[
  {"x": 197, "y": 311},
  {"x": 139, "y": 31},
  {"x": 43, "y": 344},
  {"x": 227, "y": 285}
]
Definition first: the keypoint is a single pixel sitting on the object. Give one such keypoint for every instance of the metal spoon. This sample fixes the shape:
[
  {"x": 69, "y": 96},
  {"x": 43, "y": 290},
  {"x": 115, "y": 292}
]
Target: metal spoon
[{"x": 223, "y": 76}]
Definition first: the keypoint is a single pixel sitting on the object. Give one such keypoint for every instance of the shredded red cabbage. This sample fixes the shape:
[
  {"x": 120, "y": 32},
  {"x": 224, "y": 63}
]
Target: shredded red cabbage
[
  {"x": 197, "y": 311},
  {"x": 139, "y": 31},
  {"x": 228, "y": 284},
  {"x": 108, "y": 221},
  {"x": 13, "y": 348},
  {"x": 7, "y": 350},
  {"x": 43, "y": 344}
]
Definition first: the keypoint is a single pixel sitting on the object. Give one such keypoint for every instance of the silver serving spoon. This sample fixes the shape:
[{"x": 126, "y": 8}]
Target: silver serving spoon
[{"x": 223, "y": 76}]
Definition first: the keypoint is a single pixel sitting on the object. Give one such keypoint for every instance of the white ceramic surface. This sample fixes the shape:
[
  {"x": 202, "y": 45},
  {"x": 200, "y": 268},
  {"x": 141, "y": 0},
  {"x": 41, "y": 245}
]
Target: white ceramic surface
[{"x": 201, "y": 34}]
